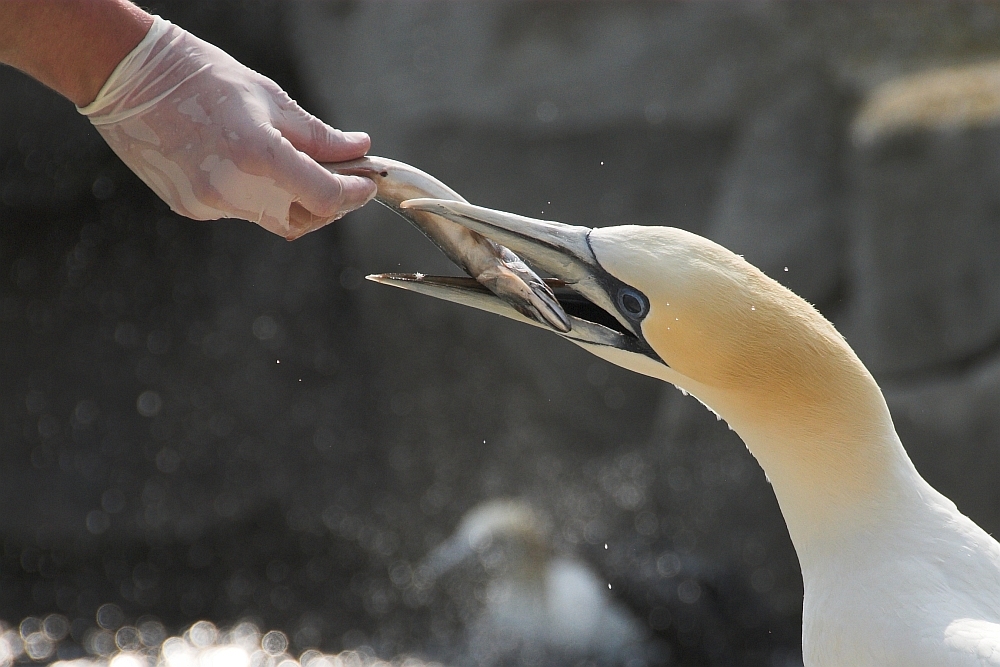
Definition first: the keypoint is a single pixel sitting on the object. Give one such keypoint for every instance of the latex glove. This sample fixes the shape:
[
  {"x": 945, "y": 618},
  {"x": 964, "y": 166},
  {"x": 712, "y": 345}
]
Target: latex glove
[{"x": 214, "y": 139}]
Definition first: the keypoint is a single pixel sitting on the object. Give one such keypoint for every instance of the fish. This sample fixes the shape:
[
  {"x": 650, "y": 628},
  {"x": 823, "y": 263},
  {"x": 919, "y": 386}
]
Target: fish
[{"x": 492, "y": 265}]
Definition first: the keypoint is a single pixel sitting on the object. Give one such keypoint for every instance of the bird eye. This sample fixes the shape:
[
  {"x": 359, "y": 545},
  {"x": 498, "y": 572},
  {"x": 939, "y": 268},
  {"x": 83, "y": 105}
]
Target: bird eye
[{"x": 632, "y": 302}]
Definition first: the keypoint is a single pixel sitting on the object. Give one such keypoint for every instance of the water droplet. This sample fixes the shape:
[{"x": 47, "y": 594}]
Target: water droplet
[
  {"x": 55, "y": 627},
  {"x": 149, "y": 403},
  {"x": 786, "y": 268},
  {"x": 274, "y": 642},
  {"x": 128, "y": 639},
  {"x": 203, "y": 634},
  {"x": 264, "y": 328},
  {"x": 110, "y": 616}
]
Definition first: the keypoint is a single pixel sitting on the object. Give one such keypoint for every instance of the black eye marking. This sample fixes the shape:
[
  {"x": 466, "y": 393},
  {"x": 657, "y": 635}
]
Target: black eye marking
[{"x": 633, "y": 303}]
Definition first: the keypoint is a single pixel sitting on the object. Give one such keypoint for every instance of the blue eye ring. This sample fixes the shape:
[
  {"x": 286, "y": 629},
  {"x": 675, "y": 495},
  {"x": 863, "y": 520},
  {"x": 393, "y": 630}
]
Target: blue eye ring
[{"x": 632, "y": 303}]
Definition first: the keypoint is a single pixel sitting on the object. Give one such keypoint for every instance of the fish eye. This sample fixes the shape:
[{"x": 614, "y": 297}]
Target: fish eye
[{"x": 632, "y": 302}]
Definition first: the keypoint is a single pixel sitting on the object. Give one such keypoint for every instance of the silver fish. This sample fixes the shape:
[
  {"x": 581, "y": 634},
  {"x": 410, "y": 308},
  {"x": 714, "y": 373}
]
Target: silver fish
[{"x": 491, "y": 264}]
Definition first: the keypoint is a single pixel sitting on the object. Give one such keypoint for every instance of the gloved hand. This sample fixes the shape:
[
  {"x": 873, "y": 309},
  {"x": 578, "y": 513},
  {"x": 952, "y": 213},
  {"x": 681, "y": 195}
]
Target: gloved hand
[{"x": 214, "y": 139}]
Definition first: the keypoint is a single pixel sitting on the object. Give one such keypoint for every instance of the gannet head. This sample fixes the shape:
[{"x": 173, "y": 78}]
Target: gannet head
[
  {"x": 512, "y": 524},
  {"x": 676, "y": 306},
  {"x": 533, "y": 593},
  {"x": 673, "y": 305}
]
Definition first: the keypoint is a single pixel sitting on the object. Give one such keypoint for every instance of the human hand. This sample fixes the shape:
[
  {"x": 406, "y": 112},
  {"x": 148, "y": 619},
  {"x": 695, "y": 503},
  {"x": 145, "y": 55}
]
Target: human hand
[{"x": 214, "y": 139}]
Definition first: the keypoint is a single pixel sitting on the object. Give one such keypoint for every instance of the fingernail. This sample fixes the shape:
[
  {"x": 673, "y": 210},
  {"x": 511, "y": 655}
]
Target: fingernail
[
  {"x": 356, "y": 137},
  {"x": 360, "y": 191}
]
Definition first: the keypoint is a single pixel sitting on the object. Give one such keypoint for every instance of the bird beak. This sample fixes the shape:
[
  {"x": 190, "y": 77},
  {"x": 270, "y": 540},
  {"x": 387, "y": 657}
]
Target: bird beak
[
  {"x": 447, "y": 555},
  {"x": 468, "y": 292},
  {"x": 581, "y": 286},
  {"x": 501, "y": 271}
]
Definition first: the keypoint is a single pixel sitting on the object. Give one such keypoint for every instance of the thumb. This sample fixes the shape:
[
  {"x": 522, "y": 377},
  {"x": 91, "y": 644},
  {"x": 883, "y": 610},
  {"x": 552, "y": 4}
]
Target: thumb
[
  {"x": 321, "y": 196},
  {"x": 357, "y": 191}
]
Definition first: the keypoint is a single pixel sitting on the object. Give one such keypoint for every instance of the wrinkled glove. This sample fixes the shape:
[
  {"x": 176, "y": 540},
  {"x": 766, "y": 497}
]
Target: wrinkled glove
[{"x": 214, "y": 139}]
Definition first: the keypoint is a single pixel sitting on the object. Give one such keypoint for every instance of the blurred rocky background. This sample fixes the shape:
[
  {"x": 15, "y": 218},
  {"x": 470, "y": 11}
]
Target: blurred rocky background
[{"x": 202, "y": 421}]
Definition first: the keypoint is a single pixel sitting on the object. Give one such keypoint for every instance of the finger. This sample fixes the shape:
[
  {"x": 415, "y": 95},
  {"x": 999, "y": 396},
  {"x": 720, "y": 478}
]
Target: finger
[
  {"x": 302, "y": 221},
  {"x": 317, "y": 139},
  {"x": 322, "y": 193}
]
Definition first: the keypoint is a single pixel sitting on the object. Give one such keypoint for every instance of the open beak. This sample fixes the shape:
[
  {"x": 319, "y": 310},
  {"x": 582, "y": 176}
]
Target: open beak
[
  {"x": 584, "y": 290},
  {"x": 495, "y": 267}
]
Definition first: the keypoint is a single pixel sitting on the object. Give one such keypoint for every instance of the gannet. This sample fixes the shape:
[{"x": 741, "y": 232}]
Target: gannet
[
  {"x": 893, "y": 573},
  {"x": 491, "y": 264},
  {"x": 535, "y": 597}
]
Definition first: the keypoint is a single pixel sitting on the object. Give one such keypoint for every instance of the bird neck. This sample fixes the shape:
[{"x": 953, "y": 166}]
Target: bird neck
[
  {"x": 779, "y": 373},
  {"x": 838, "y": 478},
  {"x": 826, "y": 441}
]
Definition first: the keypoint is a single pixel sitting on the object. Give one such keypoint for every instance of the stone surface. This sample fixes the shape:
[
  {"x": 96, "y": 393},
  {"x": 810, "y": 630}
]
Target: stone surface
[
  {"x": 941, "y": 99},
  {"x": 547, "y": 66},
  {"x": 778, "y": 198},
  {"x": 950, "y": 428},
  {"x": 925, "y": 239}
]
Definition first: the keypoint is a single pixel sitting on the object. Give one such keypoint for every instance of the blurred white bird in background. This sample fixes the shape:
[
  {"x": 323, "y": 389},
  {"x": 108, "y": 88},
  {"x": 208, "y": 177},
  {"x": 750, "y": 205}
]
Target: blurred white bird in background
[{"x": 535, "y": 600}]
